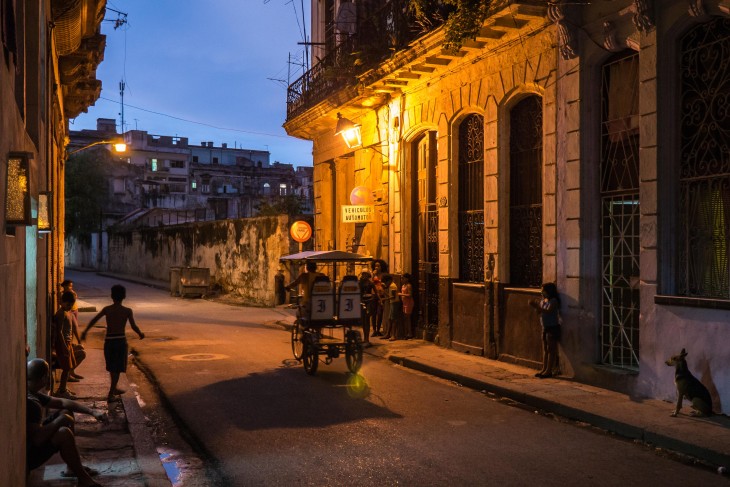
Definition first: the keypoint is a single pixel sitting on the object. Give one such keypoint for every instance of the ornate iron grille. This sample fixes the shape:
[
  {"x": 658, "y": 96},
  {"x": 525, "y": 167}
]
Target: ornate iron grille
[
  {"x": 382, "y": 29},
  {"x": 620, "y": 212},
  {"x": 428, "y": 268},
  {"x": 471, "y": 199},
  {"x": 428, "y": 257},
  {"x": 526, "y": 193},
  {"x": 704, "y": 179}
]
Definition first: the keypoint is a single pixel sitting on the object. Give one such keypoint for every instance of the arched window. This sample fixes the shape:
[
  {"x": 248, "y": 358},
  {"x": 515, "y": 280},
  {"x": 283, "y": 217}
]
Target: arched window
[
  {"x": 267, "y": 189},
  {"x": 525, "y": 210},
  {"x": 704, "y": 162},
  {"x": 471, "y": 199}
]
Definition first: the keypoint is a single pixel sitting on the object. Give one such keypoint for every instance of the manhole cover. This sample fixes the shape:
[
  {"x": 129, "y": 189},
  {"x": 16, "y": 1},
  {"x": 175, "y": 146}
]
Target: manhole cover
[{"x": 194, "y": 357}]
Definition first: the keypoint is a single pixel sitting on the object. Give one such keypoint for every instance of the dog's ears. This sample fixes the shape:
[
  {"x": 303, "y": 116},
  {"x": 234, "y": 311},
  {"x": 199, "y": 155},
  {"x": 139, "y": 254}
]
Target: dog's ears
[{"x": 683, "y": 353}]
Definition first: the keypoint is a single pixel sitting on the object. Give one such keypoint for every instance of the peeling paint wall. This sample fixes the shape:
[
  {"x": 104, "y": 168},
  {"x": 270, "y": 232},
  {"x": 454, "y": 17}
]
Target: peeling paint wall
[{"x": 242, "y": 255}]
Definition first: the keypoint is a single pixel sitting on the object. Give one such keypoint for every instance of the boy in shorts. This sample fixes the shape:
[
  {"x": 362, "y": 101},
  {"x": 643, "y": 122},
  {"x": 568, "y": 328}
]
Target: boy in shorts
[
  {"x": 115, "y": 341},
  {"x": 61, "y": 336}
]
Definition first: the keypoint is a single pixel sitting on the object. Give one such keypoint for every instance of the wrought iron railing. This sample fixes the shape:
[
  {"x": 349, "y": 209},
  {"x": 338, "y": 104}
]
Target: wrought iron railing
[{"x": 380, "y": 33}]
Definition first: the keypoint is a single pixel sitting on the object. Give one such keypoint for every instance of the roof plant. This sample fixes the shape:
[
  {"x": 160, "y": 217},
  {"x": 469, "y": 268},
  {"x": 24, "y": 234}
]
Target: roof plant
[{"x": 462, "y": 18}]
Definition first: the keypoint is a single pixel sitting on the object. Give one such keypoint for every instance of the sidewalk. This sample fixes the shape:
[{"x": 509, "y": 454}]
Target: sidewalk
[
  {"x": 645, "y": 420},
  {"x": 122, "y": 450}
]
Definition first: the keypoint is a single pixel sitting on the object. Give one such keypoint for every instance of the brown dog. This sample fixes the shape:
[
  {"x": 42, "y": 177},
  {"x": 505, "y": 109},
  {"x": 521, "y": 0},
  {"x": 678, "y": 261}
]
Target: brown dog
[{"x": 689, "y": 387}]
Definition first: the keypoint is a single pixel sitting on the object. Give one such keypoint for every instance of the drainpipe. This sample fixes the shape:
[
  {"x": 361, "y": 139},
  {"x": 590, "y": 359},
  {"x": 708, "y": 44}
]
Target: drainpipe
[
  {"x": 333, "y": 170},
  {"x": 491, "y": 351}
]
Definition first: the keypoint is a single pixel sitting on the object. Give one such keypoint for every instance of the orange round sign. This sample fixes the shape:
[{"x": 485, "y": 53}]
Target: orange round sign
[{"x": 300, "y": 231}]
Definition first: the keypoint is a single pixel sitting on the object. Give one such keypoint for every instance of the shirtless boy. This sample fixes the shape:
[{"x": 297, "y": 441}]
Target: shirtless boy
[{"x": 115, "y": 342}]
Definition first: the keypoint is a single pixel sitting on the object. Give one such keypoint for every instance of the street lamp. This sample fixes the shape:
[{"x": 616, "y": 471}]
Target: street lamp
[
  {"x": 119, "y": 146},
  {"x": 349, "y": 130}
]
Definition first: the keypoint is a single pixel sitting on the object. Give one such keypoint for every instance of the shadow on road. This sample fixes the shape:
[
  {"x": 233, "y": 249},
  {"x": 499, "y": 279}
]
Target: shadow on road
[{"x": 281, "y": 398}]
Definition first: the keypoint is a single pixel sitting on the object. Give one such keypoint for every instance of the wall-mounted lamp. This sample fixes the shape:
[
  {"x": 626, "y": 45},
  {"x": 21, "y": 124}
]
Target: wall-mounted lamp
[
  {"x": 118, "y": 145},
  {"x": 45, "y": 212},
  {"x": 17, "y": 189},
  {"x": 349, "y": 131}
]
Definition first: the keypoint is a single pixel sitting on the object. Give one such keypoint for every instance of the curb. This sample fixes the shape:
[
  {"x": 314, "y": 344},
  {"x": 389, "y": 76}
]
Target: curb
[
  {"x": 618, "y": 427},
  {"x": 144, "y": 282},
  {"x": 144, "y": 447}
]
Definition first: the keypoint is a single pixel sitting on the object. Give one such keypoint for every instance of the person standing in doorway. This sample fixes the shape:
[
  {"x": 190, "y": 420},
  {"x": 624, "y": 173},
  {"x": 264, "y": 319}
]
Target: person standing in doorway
[
  {"x": 549, "y": 309},
  {"x": 406, "y": 296},
  {"x": 396, "y": 313},
  {"x": 62, "y": 334},
  {"x": 368, "y": 299},
  {"x": 77, "y": 349}
]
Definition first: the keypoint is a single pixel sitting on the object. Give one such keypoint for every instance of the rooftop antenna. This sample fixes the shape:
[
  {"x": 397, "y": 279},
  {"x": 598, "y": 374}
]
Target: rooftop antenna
[
  {"x": 120, "y": 20},
  {"x": 121, "y": 101}
]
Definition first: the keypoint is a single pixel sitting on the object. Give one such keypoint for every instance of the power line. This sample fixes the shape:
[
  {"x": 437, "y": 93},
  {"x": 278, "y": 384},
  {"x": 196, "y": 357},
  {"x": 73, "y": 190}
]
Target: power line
[{"x": 198, "y": 123}]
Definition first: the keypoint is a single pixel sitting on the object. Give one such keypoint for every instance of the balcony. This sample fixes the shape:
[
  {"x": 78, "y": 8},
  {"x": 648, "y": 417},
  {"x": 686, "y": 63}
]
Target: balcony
[{"x": 377, "y": 37}]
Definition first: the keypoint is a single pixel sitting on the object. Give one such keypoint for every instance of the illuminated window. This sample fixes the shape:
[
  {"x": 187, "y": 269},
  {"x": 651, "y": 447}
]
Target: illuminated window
[
  {"x": 153, "y": 164},
  {"x": 282, "y": 189},
  {"x": 194, "y": 185},
  {"x": 17, "y": 190}
]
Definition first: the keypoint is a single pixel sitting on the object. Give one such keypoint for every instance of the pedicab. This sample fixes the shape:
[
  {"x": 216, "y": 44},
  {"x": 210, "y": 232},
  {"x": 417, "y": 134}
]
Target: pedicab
[{"x": 323, "y": 330}]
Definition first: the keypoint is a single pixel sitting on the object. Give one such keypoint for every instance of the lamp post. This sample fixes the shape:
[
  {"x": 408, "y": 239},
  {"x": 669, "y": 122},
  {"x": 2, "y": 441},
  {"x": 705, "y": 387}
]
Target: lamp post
[{"x": 119, "y": 146}]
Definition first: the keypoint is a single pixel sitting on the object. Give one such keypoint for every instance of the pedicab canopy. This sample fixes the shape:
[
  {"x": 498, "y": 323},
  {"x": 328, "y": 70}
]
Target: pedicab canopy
[{"x": 325, "y": 256}]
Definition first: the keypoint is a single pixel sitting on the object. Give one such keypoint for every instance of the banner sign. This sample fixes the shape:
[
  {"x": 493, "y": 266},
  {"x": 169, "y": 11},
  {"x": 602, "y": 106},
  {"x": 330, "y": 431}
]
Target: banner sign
[{"x": 358, "y": 213}]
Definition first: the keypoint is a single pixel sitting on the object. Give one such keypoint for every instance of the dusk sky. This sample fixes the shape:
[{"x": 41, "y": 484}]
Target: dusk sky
[{"x": 207, "y": 62}]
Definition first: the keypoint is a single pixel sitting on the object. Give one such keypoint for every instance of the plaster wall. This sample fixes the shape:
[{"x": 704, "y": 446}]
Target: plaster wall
[
  {"x": 242, "y": 255},
  {"x": 18, "y": 272}
]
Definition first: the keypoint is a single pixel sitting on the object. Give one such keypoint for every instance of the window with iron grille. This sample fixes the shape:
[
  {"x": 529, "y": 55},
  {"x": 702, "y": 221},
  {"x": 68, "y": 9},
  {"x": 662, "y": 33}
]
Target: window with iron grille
[
  {"x": 704, "y": 171},
  {"x": 525, "y": 212},
  {"x": 471, "y": 199},
  {"x": 619, "y": 193}
]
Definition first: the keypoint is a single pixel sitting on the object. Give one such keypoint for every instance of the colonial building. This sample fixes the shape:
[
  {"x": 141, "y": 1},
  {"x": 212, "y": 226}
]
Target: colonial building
[
  {"x": 213, "y": 182},
  {"x": 50, "y": 52},
  {"x": 584, "y": 143}
]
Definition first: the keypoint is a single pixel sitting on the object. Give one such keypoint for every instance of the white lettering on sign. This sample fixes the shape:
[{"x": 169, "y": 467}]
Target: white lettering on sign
[{"x": 358, "y": 213}]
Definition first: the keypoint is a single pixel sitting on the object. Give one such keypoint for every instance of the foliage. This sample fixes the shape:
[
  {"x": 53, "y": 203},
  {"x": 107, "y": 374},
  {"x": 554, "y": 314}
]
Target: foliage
[
  {"x": 86, "y": 192},
  {"x": 462, "y": 18},
  {"x": 290, "y": 204}
]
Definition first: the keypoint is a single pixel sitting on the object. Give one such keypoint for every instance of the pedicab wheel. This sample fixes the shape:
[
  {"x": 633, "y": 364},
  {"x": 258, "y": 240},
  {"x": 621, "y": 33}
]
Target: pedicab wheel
[
  {"x": 353, "y": 352},
  {"x": 310, "y": 356},
  {"x": 297, "y": 334}
]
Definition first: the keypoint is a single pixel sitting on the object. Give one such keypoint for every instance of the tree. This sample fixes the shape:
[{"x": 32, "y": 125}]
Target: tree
[
  {"x": 290, "y": 204},
  {"x": 462, "y": 18},
  {"x": 87, "y": 192}
]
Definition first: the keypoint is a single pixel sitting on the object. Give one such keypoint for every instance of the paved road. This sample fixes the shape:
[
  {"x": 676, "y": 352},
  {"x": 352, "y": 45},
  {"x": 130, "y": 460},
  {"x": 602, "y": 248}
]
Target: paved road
[{"x": 230, "y": 378}]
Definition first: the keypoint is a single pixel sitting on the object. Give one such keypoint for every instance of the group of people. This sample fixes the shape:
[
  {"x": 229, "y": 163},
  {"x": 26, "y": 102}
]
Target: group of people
[
  {"x": 49, "y": 434},
  {"x": 387, "y": 310}
]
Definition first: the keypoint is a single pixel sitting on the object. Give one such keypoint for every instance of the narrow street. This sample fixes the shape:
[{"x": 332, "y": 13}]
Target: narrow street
[{"x": 227, "y": 372}]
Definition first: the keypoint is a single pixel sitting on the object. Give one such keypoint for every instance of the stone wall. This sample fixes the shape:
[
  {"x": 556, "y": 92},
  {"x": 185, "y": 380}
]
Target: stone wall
[{"x": 242, "y": 255}]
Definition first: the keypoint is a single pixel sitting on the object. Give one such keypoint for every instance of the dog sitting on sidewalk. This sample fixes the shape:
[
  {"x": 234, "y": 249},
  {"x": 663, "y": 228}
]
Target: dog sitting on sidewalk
[{"x": 689, "y": 387}]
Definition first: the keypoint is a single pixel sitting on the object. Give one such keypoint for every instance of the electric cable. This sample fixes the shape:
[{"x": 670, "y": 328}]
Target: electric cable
[{"x": 198, "y": 123}]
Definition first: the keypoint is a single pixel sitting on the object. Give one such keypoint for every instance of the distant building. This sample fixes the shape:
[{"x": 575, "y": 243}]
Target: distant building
[{"x": 209, "y": 182}]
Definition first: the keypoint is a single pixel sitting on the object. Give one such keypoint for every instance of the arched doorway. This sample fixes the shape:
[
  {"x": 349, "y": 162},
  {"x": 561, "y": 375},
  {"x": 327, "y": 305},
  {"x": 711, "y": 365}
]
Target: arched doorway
[{"x": 425, "y": 223}]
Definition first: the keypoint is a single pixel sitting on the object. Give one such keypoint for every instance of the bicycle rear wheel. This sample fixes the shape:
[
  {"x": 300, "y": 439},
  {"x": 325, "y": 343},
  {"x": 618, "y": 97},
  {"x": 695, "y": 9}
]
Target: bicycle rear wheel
[{"x": 297, "y": 346}]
